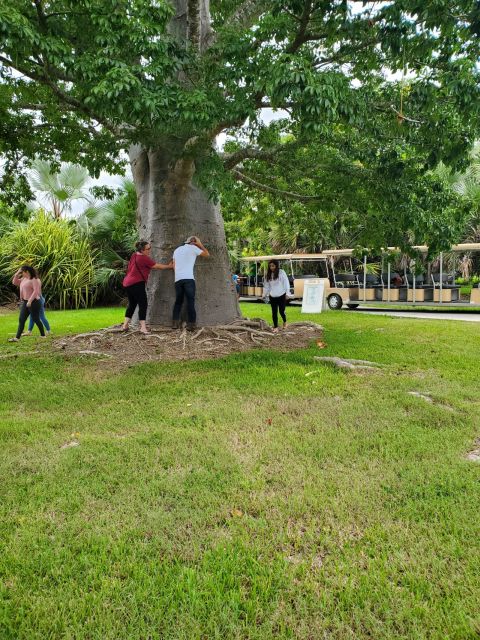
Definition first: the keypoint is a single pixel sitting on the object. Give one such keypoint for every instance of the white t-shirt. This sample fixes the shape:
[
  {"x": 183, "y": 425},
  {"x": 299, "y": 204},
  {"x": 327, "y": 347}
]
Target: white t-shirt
[{"x": 185, "y": 257}]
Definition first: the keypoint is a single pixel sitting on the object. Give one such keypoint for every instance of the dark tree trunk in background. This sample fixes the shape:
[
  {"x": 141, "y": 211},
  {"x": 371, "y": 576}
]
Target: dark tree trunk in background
[{"x": 171, "y": 208}]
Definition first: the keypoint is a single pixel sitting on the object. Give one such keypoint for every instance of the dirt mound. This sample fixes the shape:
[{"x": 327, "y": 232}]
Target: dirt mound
[
  {"x": 8, "y": 307},
  {"x": 119, "y": 347}
]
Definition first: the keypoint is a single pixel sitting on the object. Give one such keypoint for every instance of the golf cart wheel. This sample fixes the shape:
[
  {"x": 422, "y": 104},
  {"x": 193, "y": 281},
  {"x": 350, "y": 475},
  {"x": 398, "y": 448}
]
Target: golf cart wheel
[
  {"x": 335, "y": 301},
  {"x": 353, "y": 306}
]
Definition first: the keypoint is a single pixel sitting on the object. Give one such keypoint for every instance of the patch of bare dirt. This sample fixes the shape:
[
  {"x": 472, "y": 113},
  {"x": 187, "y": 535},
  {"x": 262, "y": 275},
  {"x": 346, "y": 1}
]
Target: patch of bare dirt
[
  {"x": 474, "y": 454},
  {"x": 114, "y": 345},
  {"x": 8, "y": 307}
]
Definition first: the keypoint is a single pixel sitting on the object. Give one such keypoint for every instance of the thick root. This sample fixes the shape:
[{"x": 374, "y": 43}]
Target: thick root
[{"x": 205, "y": 342}]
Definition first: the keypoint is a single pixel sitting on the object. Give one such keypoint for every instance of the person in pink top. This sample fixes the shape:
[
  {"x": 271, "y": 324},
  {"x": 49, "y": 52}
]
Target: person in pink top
[
  {"x": 30, "y": 293},
  {"x": 138, "y": 270}
]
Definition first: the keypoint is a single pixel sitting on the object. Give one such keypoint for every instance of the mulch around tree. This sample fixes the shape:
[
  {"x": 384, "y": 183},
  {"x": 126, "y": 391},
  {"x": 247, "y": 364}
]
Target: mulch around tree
[{"x": 114, "y": 345}]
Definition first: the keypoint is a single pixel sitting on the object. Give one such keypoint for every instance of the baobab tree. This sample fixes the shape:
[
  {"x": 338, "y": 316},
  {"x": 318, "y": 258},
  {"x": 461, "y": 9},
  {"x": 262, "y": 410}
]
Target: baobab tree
[{"x": 160, "y": 79}]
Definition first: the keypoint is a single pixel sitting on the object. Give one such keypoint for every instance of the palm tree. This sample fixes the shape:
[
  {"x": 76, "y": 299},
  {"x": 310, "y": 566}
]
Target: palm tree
[{"x": 59, "y": 188}]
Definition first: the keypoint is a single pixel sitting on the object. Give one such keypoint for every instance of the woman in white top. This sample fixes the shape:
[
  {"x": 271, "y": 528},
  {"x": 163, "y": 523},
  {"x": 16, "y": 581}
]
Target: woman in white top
[{"x": 276, "y": 287}]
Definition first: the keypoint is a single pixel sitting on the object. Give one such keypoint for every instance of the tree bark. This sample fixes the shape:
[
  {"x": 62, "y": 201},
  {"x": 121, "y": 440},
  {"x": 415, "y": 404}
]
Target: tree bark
[{"x": 171, "y": 208}]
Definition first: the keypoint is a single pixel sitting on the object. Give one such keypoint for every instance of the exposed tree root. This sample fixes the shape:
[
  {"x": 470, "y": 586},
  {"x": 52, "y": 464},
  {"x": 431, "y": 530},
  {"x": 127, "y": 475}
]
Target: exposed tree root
[
  {"x": 303, "y": 323},
  {"x": 206, "y": 342},
  {"x": 352, "y": 365},
  {"x": 89, "y": 352},
  {"x": 87, "y": 335},
  {"x": 20, "y": 353}
]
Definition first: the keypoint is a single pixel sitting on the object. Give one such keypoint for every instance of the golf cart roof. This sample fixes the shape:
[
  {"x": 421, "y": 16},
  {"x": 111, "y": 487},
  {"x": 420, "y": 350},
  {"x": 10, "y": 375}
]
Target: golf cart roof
[
  {"x": 286, "y": 256},
  {"x": 329, "y": 253}
]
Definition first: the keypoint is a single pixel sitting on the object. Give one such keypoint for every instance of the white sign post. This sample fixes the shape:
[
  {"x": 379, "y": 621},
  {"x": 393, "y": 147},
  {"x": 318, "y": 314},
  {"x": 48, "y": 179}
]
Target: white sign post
[{"x": 313, "y": 295}]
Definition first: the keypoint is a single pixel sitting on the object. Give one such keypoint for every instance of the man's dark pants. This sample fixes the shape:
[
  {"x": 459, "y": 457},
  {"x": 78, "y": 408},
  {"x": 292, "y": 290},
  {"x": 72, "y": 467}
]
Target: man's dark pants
[{"x": 185, "y": 289}]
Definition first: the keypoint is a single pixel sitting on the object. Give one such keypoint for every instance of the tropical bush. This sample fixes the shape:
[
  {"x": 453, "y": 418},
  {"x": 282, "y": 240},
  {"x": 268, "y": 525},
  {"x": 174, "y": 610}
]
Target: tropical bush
[
  {"x": 65, "y": 261},
  {"x": 112, "y": 232},
  {"x": 80, "y": 260}
]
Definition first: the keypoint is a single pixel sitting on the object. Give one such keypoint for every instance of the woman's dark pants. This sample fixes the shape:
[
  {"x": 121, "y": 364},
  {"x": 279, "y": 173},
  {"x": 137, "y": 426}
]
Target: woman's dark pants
[
  {"x": 137, "y": 295},
  {"x": 278, "y": 304},
  {"x": 34, "y": 310}
]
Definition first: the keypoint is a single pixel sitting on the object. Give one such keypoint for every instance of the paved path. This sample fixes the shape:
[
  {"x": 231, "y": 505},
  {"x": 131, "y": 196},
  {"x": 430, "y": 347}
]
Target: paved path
[{"x": 434, "y": 314}]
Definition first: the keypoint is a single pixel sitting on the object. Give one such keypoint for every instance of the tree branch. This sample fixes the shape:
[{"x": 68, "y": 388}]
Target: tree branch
[
  {"x": 248, "y": 12},
  {"x": 244, "y": 16},
  {"x": 224, "y": 124},
  {"x": 62, "y": 97},
  {"x": 193, "y": 23},
  {"x": 302, "y": 29},
  {"x": 279, "y": 192},
  {"x": 402, "y": 117},
  {"x": 25, "y": 72},
  {"x": 341, "y": 53},
  {"x": 77, "y": 105},
  {"x": 42, "y": 19},
  {"x": 230, "y": 160},
  {"x": 268, "y": 105}
]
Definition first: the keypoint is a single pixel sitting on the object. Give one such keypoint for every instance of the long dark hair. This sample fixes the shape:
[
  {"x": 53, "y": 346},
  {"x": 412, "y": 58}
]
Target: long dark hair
[
  {"x": 30, "y": 270},
  {"x": 140, "y": 245},
  {"x": 273, "y": 275}
]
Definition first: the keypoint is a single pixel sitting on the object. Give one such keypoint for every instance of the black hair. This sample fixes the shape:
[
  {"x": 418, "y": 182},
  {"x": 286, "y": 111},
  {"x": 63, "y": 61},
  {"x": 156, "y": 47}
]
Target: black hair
[
  {"x": 140, "y": 245},
  {"x": 30, "y": 270},
  {"x": 273, "y": 275}
]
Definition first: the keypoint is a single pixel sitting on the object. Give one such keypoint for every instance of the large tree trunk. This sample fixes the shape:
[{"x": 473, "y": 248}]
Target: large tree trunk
[{"x": 171, "y": 208}]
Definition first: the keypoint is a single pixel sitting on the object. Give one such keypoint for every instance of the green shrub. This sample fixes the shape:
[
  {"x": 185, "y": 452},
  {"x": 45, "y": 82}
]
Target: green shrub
[
  {"x": 65, "y": 262},
  {"x": 469, "y": 282}
]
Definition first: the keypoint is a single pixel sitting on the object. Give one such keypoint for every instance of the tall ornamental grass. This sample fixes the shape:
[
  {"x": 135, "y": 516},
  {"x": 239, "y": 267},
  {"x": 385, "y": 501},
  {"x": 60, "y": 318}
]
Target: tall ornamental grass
[{"x": 65, "y": 262}]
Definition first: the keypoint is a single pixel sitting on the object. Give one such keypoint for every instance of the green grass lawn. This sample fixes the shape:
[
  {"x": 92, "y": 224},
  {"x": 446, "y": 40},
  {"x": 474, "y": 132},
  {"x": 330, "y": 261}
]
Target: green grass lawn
[{"x": 240, "y": 498}]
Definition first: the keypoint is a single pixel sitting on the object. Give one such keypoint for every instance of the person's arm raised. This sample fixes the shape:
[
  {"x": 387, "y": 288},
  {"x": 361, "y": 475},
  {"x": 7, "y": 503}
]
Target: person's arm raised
[
  {"x": 205, "y": 252},
  {"x": 16, "y": 278}
]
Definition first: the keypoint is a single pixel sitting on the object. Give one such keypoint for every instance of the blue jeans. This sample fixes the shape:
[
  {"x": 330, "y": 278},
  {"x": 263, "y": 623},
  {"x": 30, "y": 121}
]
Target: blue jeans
[
  {"x": 185, "y": 289},
  {"x": 44, "y": 320}
]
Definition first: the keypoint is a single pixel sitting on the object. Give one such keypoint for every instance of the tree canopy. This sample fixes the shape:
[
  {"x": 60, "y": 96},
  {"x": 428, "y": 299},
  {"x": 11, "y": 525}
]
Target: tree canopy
[{"x": 376, "y": 93}]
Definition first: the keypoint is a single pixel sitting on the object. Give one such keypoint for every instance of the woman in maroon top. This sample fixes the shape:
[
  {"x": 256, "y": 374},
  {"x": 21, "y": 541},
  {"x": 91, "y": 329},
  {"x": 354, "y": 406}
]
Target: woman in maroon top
[{"x": 138, "y": 270}]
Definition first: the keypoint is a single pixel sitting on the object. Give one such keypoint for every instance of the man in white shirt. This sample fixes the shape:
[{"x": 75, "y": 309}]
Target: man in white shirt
[{"x": 184, "y": 258}]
